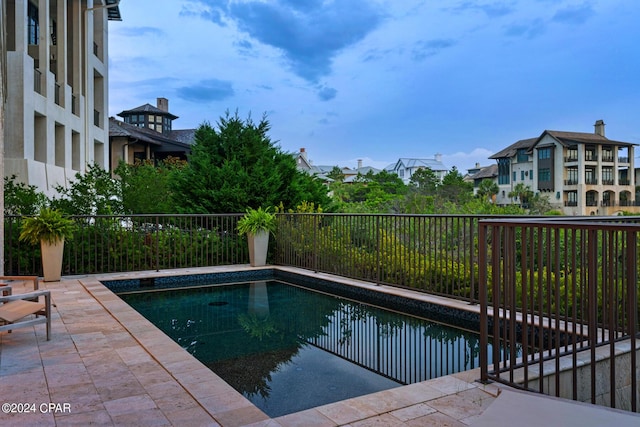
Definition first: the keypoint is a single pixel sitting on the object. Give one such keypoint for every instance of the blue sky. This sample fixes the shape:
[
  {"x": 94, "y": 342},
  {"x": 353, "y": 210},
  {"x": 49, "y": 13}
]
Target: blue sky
[{"x": 382, "y": 79}]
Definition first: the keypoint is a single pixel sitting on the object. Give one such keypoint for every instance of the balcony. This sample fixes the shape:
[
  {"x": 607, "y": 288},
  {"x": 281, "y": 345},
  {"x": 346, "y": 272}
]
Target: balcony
[
  {"x": 624, "y": 182},
  {"x": 570, "y": 203},
  {"x": 623, "y": 160},
  {"x": 607, "y": 182},
  {"x": 591, "y": 181},
  {"x": 571, "y": 182},
  {"x": 571, "y": 158}
]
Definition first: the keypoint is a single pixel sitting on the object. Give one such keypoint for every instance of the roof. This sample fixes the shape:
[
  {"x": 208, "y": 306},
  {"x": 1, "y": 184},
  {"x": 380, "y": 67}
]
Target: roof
[
  {"x": 147, "y": 109},
  {"x": 486, "y": 172},
  {"x": 186, "y": 136},
  {"x": 412, "y": 163},
  {"x": 570, "y": 138},
  {"x": 564, "y": 138},
  {"x": 512, "y": 150},
  {"x": 121, "y": 129}
]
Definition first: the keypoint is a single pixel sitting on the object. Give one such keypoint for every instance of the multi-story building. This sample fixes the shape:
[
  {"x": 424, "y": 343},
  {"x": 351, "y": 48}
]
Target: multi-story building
[
  {"x": 579, "y": 173},
  {"x": 56, "y": 117}
]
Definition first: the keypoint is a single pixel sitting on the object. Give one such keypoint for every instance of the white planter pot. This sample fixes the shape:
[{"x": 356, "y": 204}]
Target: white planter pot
[
  {"x": 52, "y": 260},
  {"x": 258, "y": 247}
]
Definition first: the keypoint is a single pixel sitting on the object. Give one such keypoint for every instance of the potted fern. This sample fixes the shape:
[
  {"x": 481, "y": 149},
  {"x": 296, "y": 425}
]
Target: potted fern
[
  {"x": 257, "y": 224},
  {"x": 50, "y": 228}
]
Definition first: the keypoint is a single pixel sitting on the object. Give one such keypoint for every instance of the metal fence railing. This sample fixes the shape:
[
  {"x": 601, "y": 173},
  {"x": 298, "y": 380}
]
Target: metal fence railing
[
  {"x": 105, "y": 244},
  {"x": 430, "y": 253},
  {"x": 559, "y": 304}
]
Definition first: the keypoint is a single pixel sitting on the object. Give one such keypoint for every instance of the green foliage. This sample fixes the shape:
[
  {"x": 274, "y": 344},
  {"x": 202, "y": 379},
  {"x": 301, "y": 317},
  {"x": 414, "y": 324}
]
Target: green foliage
[
  {"x": 237, "y": 165},
  {"x": 49, "y": 226},
  {"x": 257, "y": 220},
  {"x": 146, "y": 187},
  {"x": 91, "y": 193},
  {"x": 487, "y": 189},
  {"x": 336, "y": 174},
  {"x": 22, "y": 199},
  {"x": 521, "y": 192},
  {"x": 454, "y": 188},
  {"x": 424, "y": 182}
]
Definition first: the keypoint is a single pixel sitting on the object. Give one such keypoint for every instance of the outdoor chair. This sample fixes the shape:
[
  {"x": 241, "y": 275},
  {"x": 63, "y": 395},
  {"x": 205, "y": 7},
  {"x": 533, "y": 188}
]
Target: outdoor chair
[{"x": 26, "y": 309}]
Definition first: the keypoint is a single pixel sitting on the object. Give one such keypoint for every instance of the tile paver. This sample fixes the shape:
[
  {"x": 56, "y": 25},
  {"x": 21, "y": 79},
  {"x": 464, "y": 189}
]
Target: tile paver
[{"x": 114, "y": 368}]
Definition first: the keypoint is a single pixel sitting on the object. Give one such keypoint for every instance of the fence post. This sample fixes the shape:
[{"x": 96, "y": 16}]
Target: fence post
[
  {"x": 378, "y": 250},
  {"x": 482, "y": 297},
  {"x": 632, "y": 304},
  {"x": 157, "y": 243}
]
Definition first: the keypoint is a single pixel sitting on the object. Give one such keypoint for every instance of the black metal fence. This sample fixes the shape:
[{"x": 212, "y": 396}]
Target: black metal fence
[
  {"x": 105, "y": 244},
  {"x": 565, "y": 290},
  {"x": 430, "y": 253}
]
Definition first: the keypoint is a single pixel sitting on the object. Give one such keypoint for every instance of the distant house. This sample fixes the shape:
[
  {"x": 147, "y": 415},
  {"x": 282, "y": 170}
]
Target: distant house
[
  {"x": 405, "y": 167},
  {"x": 146, "y": 133},
  {"x": 579, "y": 173},
  {"x": 321, "y": 172},
  {"x": 480, "y": 173}
]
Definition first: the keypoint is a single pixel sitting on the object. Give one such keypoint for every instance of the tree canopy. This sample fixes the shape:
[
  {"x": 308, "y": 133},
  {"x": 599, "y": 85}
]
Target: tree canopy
[{"x": 236, "y": 166}]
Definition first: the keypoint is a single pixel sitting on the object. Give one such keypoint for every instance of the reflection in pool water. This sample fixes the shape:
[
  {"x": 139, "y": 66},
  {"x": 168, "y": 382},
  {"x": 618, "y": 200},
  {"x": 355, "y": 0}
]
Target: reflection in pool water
[{"x": 287, "y": 348}]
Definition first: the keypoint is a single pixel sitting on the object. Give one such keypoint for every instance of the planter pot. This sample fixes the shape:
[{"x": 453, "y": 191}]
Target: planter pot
[
  {"x": 52, "y": 260},
  {"x": 258, "y": 247}
]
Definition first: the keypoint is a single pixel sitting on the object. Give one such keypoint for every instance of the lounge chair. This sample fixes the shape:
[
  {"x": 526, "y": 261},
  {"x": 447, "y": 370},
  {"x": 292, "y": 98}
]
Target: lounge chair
[{"x": 18, "y": 311}]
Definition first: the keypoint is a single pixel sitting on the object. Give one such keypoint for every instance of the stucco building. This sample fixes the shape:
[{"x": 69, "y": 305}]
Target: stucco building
[
  {"x": 56, "y": 116},
  {"x": 579, "y": 173}
]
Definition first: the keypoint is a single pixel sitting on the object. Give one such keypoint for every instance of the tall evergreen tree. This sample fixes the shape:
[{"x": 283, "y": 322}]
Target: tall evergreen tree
[{"x": 235, "y": 166}]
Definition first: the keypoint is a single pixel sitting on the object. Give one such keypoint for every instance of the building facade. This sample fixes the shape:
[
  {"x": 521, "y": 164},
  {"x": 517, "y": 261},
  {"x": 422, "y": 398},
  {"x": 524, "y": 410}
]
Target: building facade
[
  {"x": 579, "y": 173},
  {"x": 56, "y": 117}
]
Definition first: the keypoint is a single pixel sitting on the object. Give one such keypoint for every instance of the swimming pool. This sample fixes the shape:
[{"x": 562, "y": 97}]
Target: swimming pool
[{"x": 289, "y": 348}]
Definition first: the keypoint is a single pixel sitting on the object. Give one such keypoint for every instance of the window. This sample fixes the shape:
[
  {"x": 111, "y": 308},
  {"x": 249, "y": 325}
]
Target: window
[
  {"x": 590, "y": 176},
  {"x": 503, "y": 171},
  {"x": 544, "y": 175},
  {"x": 544, "y": 153},
  {"x": 531, "y": 174},
  {"x": 33, "y": 24},
  {"x": 522, "y": 155},
  {"x": 521, "y": 175},
  {"x": 607, "y": 175},
  {"x": 572, "y": 154},
  {"x": 514, "y": 176}
]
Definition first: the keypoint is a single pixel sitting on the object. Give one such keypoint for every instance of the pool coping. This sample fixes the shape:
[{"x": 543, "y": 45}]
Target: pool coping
[{"x": 229, "y": 407}]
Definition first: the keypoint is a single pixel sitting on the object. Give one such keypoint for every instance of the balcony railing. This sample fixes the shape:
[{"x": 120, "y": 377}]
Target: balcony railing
[
  {"x": 590, "y": 157},
  {"x": 571, "y": 182},
  {"x": 96, "y": 118},
  {"x": 623, "y": 159},
  {"x": 570, "y": 203},
  {"x": 591, "y": 181},
  {"x": 624, "y": 182},
  {"x": 607, "y": 182},
  {"x": 560, "y": 297},
  {"x": 571, "y": 158}
]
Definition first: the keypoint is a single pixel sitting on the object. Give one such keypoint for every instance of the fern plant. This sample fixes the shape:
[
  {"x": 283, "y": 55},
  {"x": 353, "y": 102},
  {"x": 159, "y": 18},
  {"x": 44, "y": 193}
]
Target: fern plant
[{"x": 49, "y": 225}]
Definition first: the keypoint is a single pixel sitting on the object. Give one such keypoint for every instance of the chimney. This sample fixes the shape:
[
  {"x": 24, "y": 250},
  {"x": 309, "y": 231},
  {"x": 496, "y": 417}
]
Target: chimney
[
  {"x": 477, "y": 165},
  {"x": 438, "y": 157},
  {"x": 599, "y": 127},
  {"x": 163, "y": 104},
  {"x": 359, "y": 163},
  {"x": 303, "y": 153}
]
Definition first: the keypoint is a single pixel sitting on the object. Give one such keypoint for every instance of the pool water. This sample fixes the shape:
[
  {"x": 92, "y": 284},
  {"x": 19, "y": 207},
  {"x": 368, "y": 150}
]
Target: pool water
[{"x": 287, "y": 348}]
